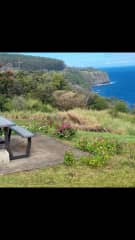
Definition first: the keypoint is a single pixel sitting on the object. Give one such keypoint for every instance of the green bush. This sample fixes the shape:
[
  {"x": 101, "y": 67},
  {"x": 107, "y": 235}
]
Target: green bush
[
  {"x": 18, "y": 103},
  {"x": 100, "y": 153},
  {"x": 33, "y": 104},
  {"x": 47, "y": 108},
  {"x": 4, "y": 103},
  {"x": 100, "y": 150},
  {"x": 97, "y": 102},
  {"x": 69, "y": 158},
  {"x": 121, "y": 106}
]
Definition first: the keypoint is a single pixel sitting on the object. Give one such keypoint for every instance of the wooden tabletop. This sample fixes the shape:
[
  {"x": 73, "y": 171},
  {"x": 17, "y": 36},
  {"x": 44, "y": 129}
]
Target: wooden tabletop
[{"x": 4, "y": 122}]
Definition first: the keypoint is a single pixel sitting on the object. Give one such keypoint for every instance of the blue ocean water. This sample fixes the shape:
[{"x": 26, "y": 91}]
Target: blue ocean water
[{"x": 122, "y": 84}]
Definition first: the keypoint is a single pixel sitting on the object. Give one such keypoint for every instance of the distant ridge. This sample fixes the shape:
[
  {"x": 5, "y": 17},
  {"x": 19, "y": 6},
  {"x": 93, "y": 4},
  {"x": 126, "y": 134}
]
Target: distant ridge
[{"x": 30, "y": 63}]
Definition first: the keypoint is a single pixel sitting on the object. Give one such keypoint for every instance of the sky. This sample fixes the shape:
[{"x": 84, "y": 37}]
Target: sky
[{"x": 90, "y": 59}]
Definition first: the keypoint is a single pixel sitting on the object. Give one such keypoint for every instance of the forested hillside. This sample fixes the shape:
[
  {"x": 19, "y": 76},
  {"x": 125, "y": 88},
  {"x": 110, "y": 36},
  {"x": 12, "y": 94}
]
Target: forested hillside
[
  {"x": 31, "y": 83},
  {"x": 30, "y": 63}
]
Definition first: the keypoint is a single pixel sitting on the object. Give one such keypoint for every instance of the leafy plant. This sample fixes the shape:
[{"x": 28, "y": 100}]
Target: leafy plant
[
  {"x": 100, "y": 150},
  {"x": 69, "y": 158},
  {"x": 93, "y": 161},
  {"x": 65, "y": 131}
]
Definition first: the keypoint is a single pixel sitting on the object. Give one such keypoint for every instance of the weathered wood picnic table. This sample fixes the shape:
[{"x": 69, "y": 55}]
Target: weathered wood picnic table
[{"x": 7, "y": 126}]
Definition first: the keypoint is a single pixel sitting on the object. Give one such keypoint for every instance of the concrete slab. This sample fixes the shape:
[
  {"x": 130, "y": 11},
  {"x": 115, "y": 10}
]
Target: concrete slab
[
  {"x": 4, "y": 157},
  {"x": 45, "y": 151}
]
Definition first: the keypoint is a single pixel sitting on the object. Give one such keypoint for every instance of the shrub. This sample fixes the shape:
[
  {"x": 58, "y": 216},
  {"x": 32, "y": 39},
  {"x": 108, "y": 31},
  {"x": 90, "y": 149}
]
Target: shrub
[
  {"x": 3, "y": 103},
  {"x": 69, "y": 158},
  {"x": 101, "y": 150},
  {"x": 66, "y": 100},
  {"x": 47, "y": 108},
  {"x": 64, "y": 130},
  {"x": 33, "y": 104},
  {"x": 18, "y": 103},
  {"x": 97, "y": 102},
  {"x": 121, "y": 106}
]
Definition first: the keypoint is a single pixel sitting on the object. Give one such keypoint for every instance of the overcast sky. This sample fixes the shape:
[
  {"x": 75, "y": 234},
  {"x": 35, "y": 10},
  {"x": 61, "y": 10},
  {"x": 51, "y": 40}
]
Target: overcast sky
[{"x": 91, "y": 59}]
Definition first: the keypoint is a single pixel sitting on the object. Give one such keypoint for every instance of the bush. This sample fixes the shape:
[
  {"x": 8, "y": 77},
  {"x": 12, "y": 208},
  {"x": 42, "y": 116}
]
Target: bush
[
  {"x": 66, "y": 100},
  {"x": 47, "y": 108},
  {"x": 3, "y": 103},
  {"x": 37, "y": 105},
  {"x": 101, "y": 145},
  {"x": 97, "y": 102},
  {"x": 18, "y": 103},
  {"x": 121, "y": 106},
  {"x": 69, "y": 158},
  {"x": 64, "y": 130},
  {"x": 101, "y": 150}
]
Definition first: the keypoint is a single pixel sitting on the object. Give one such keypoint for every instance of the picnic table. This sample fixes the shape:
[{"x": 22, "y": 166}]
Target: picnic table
[{"x": 7, "y": 125}]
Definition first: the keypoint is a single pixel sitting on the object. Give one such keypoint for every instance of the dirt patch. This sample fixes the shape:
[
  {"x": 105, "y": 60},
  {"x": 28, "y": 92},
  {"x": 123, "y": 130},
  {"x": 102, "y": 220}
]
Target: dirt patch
[{"x": 45, "y": 151}]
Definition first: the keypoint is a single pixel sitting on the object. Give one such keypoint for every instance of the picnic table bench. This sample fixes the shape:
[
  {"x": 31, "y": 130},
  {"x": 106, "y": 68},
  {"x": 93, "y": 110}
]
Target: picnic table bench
[{"x": 9, "y": 126}]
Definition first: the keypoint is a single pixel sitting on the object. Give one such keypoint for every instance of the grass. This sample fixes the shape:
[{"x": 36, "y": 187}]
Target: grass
[
  {"x": 90, "y": 135},
  {"x": 118, "y": 172},
  {"x": 80, "y": 119}
]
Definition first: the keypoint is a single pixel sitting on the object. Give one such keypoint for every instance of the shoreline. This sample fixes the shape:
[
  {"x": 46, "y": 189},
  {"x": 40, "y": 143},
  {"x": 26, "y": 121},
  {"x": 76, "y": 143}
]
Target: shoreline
[{"x": 102, "y": 84}]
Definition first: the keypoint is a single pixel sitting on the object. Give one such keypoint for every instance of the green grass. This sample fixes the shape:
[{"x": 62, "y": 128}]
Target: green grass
[
  {"x": 118, "y": 172},
  {"x": 90, "y": 135}
]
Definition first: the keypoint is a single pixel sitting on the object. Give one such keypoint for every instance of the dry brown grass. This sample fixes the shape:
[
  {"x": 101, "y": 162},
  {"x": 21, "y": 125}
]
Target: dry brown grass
[
  {"x": 81, "y": 122},
  {"x": 81, "y": 119}
]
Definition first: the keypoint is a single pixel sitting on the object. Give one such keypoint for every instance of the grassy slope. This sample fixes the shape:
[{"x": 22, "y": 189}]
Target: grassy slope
[{"x": 119, "y": 171}]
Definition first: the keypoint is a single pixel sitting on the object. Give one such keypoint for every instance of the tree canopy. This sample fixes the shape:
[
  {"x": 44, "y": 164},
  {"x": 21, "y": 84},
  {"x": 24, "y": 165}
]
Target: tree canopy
[{"x": 29, "y": 63}]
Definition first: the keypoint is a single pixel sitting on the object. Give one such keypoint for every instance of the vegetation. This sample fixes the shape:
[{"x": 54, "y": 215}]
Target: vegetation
[
  {"x": 113, "y": 166},
  {"x": 64, "y": 130},
  {"x": 29, "y": 91},
  {"x": 85, "y": 77},
  {"x": 69, "y": 158},
  {"x": 30, "y": 63},
  {"x": 97, "y": 102},
  {"x": 55, "y": 102}
]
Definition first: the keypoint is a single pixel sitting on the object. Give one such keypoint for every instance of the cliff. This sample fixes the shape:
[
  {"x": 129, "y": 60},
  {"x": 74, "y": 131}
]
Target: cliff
[
  {"x": 96, "y": 77},
  {"x": 86, "y": 78}
]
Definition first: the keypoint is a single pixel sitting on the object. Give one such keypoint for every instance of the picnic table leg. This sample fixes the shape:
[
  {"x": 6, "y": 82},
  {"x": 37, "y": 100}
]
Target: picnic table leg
[
  {"x": 1, "y": 139},
  {"x": 7, "y": 134},
  {"x": 28, "y": 147}
]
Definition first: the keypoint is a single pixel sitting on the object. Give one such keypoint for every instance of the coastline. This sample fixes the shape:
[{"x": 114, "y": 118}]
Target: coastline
[{"x": 106, "y": 83}]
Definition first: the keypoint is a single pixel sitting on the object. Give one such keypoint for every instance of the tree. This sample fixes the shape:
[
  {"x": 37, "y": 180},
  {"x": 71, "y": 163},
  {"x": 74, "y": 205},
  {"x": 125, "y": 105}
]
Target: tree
[
  {"x": 97, "y": 102},
  {"x": 121, "y": 106}
]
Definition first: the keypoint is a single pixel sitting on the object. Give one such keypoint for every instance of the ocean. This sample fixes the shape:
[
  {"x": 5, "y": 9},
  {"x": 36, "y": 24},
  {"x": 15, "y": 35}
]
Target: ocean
[{"x": 122, "y": 84}]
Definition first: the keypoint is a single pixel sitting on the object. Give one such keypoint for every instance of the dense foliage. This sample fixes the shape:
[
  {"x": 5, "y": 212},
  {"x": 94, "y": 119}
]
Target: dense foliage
[
  {"x": 29, "y": 91},
  {"x": 30, "y": 62}
]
